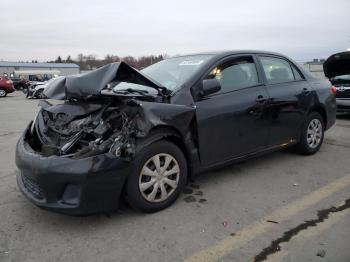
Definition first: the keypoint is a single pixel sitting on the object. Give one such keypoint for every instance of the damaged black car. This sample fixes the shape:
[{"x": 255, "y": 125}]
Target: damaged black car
[{"x": 117, "y": 131}]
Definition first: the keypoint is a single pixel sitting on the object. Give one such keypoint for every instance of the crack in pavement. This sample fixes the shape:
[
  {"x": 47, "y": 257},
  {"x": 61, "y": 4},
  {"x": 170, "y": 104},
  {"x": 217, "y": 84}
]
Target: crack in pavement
[
  {"x": 8, "y": 175},
  {"x": 322, "y": 215},
  {"x": 9, "y": 133},
  {"x": 332, "y": 142},
  {"x": 343, "y": 125},
  {"x": 3, "y": 242}
]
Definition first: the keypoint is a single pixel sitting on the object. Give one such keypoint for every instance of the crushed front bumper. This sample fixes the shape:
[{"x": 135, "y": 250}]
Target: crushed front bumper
[{"x": 71, "y": 186}]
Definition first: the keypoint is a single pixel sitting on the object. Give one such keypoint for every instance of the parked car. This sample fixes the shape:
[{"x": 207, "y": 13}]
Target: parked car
[
  {"x": 6, "y": 86},
  {"x": 337, "y": 69},
  {"x": 20, "y": 84},
  {"x": 145, "y": 132},
  {"x": 36, "y": 90}
]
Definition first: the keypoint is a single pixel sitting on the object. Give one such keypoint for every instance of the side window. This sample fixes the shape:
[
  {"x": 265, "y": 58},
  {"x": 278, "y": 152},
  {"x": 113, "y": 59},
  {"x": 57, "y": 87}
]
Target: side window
[
  {"x": 276, "y": 70},
  {"x": 297, "y": 75},
  {"x": 235, "y": 74}
]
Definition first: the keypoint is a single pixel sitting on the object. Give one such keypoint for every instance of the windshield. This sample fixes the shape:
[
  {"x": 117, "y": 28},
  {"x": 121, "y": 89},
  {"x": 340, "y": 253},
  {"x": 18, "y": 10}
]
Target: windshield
[{"x": 174, "y": 72}]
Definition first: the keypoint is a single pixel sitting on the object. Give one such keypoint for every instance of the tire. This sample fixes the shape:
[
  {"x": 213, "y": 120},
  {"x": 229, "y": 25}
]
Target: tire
[
  {"x": 3, "y": 92},
  {"x": 40, "y": 94},
  {"x": 145, "y": 180},
  {"x": 311, "y": 140}
]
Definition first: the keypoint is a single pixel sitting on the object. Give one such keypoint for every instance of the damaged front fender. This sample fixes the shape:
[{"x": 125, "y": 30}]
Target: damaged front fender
[{"x": 78, "y": 129}]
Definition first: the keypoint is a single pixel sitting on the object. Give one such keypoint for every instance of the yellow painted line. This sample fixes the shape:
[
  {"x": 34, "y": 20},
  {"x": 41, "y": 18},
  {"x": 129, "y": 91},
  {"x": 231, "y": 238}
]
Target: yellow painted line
[{"x": 242, "y": 237}]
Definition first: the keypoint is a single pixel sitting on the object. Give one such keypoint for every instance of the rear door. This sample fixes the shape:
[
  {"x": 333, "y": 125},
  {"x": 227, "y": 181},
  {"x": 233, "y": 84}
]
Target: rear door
[
  {"x": 290, "y": 98},
  {"x": 232, "y": 122}
]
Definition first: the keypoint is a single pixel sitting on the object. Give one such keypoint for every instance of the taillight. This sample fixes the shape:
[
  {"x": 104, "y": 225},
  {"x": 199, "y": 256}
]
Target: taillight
[
  {"x": 9, "y": 82},
  {"x": 334, "y": 90}
]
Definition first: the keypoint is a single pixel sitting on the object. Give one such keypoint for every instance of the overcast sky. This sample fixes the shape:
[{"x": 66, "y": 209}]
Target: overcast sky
[{"x": 42, "y": 29}]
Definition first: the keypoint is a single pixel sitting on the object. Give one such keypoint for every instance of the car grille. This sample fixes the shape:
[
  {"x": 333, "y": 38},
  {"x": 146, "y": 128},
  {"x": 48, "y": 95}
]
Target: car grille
[{"x": 33, "y": 187}]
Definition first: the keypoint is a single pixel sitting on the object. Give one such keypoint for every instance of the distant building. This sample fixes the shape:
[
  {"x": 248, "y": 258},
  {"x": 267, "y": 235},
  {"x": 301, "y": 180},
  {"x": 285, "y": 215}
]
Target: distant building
[
  {"x": 315, "y": 67},
  {"x": 25, "y": 69}
]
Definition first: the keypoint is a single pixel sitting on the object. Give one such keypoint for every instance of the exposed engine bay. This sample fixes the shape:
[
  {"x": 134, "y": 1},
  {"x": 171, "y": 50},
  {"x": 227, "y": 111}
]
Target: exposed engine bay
[
  {"x": 77, "y": 129},
  {"x": 105, "y": 110}
]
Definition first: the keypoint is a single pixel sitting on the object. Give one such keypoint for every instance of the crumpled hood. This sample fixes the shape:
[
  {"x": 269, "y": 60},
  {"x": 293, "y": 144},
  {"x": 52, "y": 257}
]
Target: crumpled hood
[
  {"x": 337, "y": 64},
  {"x": 83, "y": 86}
]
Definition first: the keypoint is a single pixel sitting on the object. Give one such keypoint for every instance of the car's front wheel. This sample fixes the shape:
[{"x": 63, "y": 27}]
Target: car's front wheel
[
  {"x": 312, "y": 134},
  {"x": 159, "y": 177},
  {"x": 3, "y": 92},
  {"x": 40, "y": 94}
]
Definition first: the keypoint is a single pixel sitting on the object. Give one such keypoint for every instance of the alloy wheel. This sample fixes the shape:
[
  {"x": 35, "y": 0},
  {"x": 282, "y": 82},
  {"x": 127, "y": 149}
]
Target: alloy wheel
[
  {"x": 40, "y": 94},
  {"x": 2, "y": 93},
  {"x": 159, "y": 178},
  {"x": 314, "y": 133}
]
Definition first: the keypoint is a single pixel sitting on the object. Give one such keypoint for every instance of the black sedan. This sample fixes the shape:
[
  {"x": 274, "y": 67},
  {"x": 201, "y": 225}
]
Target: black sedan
[{"x": 141, "y": 134}]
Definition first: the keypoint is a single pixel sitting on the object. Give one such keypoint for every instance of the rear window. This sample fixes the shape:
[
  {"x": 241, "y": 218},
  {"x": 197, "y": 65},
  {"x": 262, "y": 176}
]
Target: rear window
[
  {"x": 297, "y": 74},
  {"x": 277, "y": 70}
]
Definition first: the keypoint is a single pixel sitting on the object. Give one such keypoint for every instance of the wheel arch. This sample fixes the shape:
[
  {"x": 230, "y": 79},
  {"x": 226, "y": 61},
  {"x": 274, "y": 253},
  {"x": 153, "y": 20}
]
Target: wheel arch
[
  {"x": 186, "y": 143},
  {"x": 158, "y": 133},
  {"x": 165, "y": 132},
  {"x": 321, "y": 110}
]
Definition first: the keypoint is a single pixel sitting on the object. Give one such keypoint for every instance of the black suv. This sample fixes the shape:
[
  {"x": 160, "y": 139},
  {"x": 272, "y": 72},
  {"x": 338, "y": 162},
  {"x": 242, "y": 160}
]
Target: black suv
[
  {"x": 337, "y": 69},
  {"x": 145, "y": 132}
]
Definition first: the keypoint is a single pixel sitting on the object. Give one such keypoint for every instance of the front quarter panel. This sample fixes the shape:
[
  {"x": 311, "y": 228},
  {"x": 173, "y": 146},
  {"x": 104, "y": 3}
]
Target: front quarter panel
[{"x": 162, "y": 114}]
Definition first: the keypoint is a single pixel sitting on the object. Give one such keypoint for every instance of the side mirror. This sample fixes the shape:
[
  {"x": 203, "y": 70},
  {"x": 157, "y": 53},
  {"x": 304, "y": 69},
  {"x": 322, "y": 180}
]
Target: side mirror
[{"x": 210, "y": 86}]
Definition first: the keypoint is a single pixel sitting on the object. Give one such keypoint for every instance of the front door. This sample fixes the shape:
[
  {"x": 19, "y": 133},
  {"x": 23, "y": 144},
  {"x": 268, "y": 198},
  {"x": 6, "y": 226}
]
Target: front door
[{"x": 232, "y": 122}]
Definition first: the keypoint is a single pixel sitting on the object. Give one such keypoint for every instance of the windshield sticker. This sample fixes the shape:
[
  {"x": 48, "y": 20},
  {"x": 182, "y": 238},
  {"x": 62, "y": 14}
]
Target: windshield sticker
[{"x": 191, "y": 62}]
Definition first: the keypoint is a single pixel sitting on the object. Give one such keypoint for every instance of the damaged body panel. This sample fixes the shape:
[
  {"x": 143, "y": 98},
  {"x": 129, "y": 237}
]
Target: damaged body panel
[
  {"x": 117, "y": 129},
  {"x": 92, "y": 135},
  {"x": 89, "y": 84},
  {"x": 93, "y": 142},
  {"x": 77, "y": 130}
]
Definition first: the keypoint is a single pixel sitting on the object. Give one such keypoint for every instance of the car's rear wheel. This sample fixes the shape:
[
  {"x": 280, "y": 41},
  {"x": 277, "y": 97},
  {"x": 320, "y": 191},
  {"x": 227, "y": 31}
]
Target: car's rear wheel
[
  {"x": 312, "y": 134},
  {"x": 159, "y": 177},
  {"x": 3, "y": 92}
]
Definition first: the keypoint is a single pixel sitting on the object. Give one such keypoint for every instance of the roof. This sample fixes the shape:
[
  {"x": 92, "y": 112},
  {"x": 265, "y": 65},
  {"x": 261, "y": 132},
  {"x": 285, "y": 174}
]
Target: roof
[
  {"x": 45, "y": 65},
  {"x": 233, "y": 52}
]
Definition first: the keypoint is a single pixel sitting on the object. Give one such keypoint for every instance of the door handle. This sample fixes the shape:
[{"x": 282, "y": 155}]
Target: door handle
[
  {"x": 305, "y": 90},
  {"x": 260, "y": 99}
]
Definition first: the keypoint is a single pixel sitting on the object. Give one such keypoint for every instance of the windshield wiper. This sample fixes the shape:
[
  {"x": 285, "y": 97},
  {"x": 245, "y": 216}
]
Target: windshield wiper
[
  {"x": 130, "y": 90},
  {"x": 164, "y": 91}
]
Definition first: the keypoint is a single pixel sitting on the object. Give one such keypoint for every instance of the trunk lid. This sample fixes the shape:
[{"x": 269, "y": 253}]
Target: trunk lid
[
  {"x": 337, "y": 65},
  {"x": 337, "y": 69}
]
